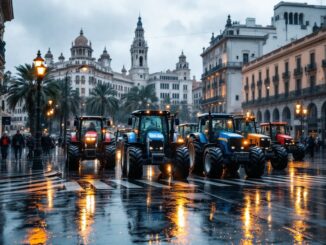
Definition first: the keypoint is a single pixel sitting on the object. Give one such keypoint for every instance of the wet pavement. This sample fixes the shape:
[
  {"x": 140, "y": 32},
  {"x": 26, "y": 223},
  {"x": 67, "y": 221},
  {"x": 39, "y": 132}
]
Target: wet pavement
[{"x": 96, "y": 206}]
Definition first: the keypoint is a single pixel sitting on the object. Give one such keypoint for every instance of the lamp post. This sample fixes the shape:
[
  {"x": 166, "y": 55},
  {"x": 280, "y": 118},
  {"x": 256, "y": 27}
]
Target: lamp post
[
  {"x": 300, "y": 112},
  {"x": 40, "y": 71},
  {"x": 50, "y": 113}
]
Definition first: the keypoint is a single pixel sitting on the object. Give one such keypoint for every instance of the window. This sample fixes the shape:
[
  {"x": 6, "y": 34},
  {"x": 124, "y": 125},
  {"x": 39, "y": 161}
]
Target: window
[
  {"x": 259, "y": 75},
  {"x": 259, "y": 93},
  {"x": 253, "y": 95},
  {"x": 298, "y": 62},
  {"x": 312, "y": 81},
  {"x": 141, "y": 61},
  {"x": 245, "y": 58},
  {"x": 276, "y": 69},
  {"x": 298, "y": 86},
  {"x": 237, "y": 97},
  {"x": 82, "y": 79},
  {"x": 83, "y": 90},
  {"x": 164, "y": 86},
  {"x": 286, "y": 88},
  {"x": 286, "y": 66},
  {"x": 184, "y": 78},
  {"x": 184, "y": 96},
  {"x": 312, "y": 58},
  {"x": 185, "y": 87},
  {"x": 77, "y": 79},
  {"x": 175, "y": 86},
  {"x": 276, "y": 89}
]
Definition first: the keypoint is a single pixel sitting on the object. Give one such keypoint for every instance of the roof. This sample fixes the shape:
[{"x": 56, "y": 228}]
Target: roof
[
  {"x": 273, "y": 123},
  {"x": 81, "y": 40},
  {"x": 188, "y": 124},
  {"x": 222, "y": 115},
  {"x": 150, "y": 112}
]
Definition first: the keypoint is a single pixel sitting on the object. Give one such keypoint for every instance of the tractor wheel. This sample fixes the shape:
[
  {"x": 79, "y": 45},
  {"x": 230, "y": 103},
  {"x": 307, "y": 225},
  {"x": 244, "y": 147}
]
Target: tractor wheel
[
  {"x": 196, "y": 157},
  {"x": 256, "y": 166},
  {"x": 213, "y": 162},
  {"x": 280, "y": 159},
  {"x": 299, "y": 153},
  {"x": 73, "y": 157},
  {"x": 109, "y": 156},
  {"x": 181, "y": 163},
  {"x": 134, "y": 163}
]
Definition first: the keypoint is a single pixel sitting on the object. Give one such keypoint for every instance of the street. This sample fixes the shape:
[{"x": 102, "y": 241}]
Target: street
[{"x": 96, "y": 206}]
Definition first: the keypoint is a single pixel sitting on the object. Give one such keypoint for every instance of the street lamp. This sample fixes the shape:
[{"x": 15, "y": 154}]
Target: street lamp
[
  {"x": 300, "y": 112},
  {"x": 40, "y": 71},
  {"x": 50, "y": 113}
]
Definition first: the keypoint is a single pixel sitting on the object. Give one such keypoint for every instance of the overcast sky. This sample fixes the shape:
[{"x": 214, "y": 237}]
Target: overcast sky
[{"x": 170, "y": 27}]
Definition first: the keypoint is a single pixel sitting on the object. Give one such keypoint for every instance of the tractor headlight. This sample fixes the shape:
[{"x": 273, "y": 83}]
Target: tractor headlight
[
  {"x": 151, "y": 148},
  {"x": 233, "y": 147},
  {"x": 90, "y": 140},
  {"x": 161, "y": 148},
  {"x": 242, "y": 147},
  {"x": 262, "y": 139}
]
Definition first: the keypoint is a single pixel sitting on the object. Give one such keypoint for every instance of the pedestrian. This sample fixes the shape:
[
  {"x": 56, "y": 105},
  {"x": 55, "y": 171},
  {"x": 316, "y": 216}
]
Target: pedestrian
[
  {"x": 4, "y": 143},
  {"x": 47, "y": 143},
  {"x": 30, "y": 143},
  {"x": 311, "y": 146},
  {"x": 18, "y": 144}
]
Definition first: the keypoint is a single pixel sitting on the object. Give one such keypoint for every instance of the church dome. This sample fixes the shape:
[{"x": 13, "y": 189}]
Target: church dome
[
  {"x": 81, "y": 40},
  {"x": 48, "y": 55},
  {"x": 105, "y": 54}
]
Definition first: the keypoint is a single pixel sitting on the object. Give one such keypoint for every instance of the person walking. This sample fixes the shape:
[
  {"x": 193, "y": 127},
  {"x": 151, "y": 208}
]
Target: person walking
[
  {"x": 18, "y": 144},
  {"x": 311, "y": 145},
  {"x": 30, "y": 143},
  {"x": 4, "y": 143}
]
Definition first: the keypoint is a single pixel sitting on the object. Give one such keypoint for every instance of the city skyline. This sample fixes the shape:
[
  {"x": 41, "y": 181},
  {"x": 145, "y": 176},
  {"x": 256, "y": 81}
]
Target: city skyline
[{"x": 114, "y": 28}]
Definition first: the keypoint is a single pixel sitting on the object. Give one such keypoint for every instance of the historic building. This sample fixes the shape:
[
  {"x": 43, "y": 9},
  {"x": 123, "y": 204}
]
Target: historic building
[
  {"x": 294, "y": 74},
  {"x": 197, "y": 91},
  {"x": 223, "y": 60},
  {"x": 293, "y": 21}
]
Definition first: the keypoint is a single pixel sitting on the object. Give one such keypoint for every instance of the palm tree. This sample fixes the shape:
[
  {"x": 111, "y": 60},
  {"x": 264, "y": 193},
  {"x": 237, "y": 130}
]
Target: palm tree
[
  {"x": 140, "y": 98},
  {"x": 70, "y": 105},
  {"x": 102, "y": 100},
  {"x": 23, "y": 89}
]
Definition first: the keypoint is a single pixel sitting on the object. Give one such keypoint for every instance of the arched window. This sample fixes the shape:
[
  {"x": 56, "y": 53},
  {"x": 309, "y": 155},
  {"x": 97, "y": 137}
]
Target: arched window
[
  {"x": 301, "y": 19},
  {"x": 77, "y": 79},
  {"x": 259, "y": 117},
  {"x": 286, "y": 115},
  {"x": 276, "y": 115},
  {"x": 267, "y": 116},
  {"x": 141, "y": 61},
  {"x": 291, "y": 18},
  {"x": 286, "y": 18},
  {"x": 295, "y": 20}
]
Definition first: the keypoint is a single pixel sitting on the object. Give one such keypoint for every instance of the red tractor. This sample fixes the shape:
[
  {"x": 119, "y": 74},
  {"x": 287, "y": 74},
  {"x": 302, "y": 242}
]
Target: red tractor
[
  {"x": 91, "y": 140},
  {"x": 280, "y": 134}
]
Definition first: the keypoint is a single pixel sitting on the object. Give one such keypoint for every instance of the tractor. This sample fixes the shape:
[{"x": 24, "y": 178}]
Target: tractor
[
  {"x": 153, "y": 141},
  {"x": 277, "y": 154},
  {"x": 215, "y": 147},
  {"x": 280, "y": 135},
  {"x": 91, "y": 140},
  {"x": 185, "y": 129}
]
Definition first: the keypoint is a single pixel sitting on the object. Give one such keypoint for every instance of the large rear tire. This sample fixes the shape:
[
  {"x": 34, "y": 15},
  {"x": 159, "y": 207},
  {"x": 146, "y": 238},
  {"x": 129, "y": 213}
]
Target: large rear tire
[
  {"x": 181, "y": 165},
  {"x": 280, "y": 159},
  {"x": 134, "y": 163},
  {"x": 256, "y": 166},
  {"x": 299, "y": 153},
  {"x": 109, "y": 155},
  {"x": 73, "y": 157},
  {"x": 213, "y": 162},
  {"x": 196, "y": 157}
]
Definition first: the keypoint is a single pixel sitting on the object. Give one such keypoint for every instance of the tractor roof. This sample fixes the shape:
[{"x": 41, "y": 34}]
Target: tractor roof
[
  {"x": 150, "y": 113},
  {"x": 216, "y": 115},
  {"x": 91, "y": 118},
  {"x": 274, "y": 124},
  {"x": 240, "y": 116},
  {"x": 188, "y": 124}
]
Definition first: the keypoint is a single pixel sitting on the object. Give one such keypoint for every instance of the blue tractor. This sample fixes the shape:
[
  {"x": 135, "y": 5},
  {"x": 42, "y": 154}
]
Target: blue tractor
[
  {"x": 153, "y": 141},
  {"x": 216, "y": 147}
]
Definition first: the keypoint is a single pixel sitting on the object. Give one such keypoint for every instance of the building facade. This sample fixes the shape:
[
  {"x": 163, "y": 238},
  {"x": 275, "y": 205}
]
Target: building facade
[
  {"x": 223, "y": 60},
  {"x": 293, "y": 21},
  {"x": 294, "y": 74},
  {"x": 197, "y": 91}
]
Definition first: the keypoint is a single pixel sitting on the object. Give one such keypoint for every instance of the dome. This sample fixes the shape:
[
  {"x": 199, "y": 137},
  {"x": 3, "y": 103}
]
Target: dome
[
  {"x": 48, "y": 55},
  {"x": 105, "y": 54},
  {"x": 123, "y": 70},
  {"x": 61, "y": 57},
  {"x": 81, "y": 40},
  {"x": 182, "y": 56}
]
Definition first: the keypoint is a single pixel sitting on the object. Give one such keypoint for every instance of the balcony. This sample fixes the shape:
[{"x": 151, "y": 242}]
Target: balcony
[
  {"x": 286, "y": 75},
  {"x": 222, "y": 66},
  {"x": 267, "y": 81},
  {"x": 298, "y": 72},
  {"x": 212, "y": 100},
  {"x": 276, "y": 78},
  {"x": 311, "y": 67},
  {"x": 323, "y": 63}
]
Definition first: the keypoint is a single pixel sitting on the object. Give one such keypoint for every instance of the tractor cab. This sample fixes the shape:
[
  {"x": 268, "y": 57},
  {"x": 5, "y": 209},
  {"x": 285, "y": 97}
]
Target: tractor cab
[
  {"x": 278, "y": 131},
  {"x": 185, "y": 129}
]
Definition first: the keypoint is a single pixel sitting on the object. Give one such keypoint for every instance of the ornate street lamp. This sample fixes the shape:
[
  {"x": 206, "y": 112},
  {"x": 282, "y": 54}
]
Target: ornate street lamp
[{"x": 40, "y": 71}]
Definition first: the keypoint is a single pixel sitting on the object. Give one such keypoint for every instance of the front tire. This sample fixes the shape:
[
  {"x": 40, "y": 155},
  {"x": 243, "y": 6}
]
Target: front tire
[
  {"x": 134, "y": 163},
  {"x": 196, "y": 157},
  {"x": 299, "y": 153},
  {"x": 181, "y": 164},
  {"x": 213, "y": 162},
  {"x": 280, "y": 159},
  {"x": 73, "y": 157},
  {"x": 109, "y": 156},
  {"x": 256, "y": 166}
]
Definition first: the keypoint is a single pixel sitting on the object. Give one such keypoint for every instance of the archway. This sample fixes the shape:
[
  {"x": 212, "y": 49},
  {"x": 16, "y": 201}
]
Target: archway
[
  {"x": 276, "y": 115},
  {"x": 312, "y": 117},
  {"x": 259, "y": 117},
  {"x": 267, "y": 116},
  {"x": 286, "y": 115}
]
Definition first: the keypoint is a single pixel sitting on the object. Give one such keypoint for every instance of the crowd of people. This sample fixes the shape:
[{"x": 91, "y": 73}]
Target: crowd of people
[{"x": 18, "y": 142}]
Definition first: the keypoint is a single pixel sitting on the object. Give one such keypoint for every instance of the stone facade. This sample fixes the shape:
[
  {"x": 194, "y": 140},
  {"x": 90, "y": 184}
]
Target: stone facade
[{"x": 293, "y": 74}]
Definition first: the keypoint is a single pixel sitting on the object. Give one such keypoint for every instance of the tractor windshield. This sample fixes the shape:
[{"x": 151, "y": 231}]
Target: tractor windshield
[
  {"x": 91, "y": 125},
  {"x": 279, "y": 129},
  {"x": 154, "y": 123},
  {"x": 222, "y": 124},
  {"x": 245, "y": 126}
]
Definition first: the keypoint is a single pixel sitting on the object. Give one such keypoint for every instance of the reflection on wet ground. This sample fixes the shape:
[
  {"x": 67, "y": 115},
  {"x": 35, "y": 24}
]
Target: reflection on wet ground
[{"x": 96, "y": 206}]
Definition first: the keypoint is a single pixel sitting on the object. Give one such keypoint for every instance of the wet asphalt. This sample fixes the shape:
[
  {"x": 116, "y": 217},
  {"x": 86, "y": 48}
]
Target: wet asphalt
[{"x": 49, "y": 205}]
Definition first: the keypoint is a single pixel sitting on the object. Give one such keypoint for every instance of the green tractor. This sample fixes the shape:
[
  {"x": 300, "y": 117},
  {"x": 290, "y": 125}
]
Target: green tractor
[{"x": 153, "y": 141}]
